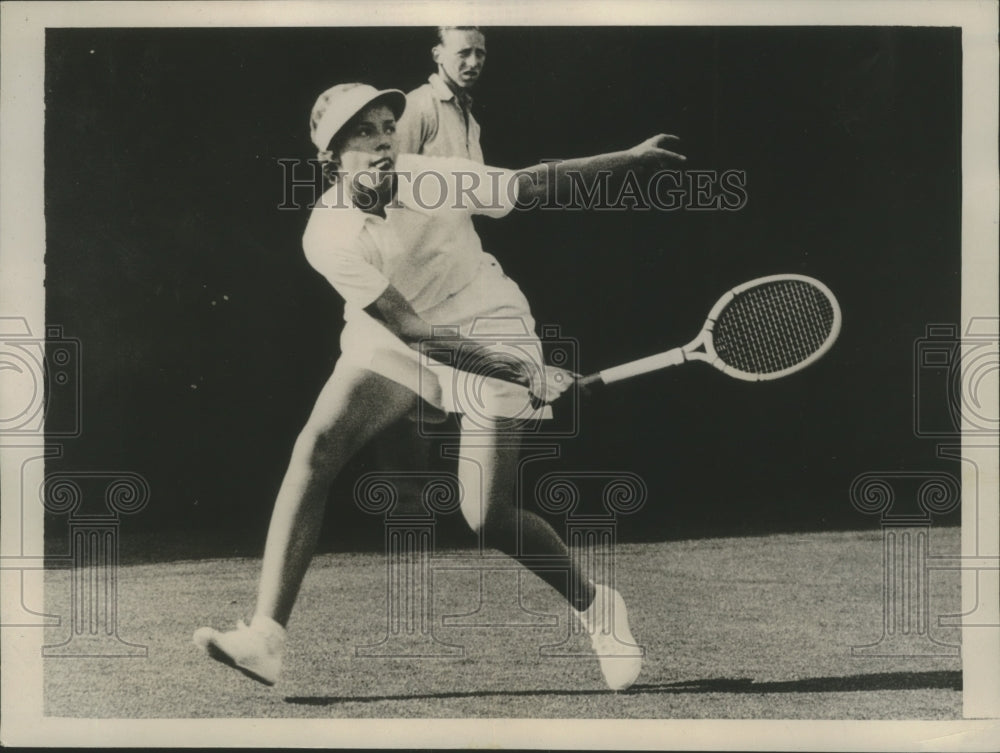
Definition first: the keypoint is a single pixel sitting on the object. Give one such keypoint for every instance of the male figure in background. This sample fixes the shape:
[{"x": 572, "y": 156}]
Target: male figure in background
[{"x": 438, "y": 120}]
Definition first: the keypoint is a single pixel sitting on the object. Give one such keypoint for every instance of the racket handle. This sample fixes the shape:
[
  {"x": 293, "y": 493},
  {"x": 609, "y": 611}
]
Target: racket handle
[
  {"x": 673, "y": 357},
  {"x": 593, "y": 380}
]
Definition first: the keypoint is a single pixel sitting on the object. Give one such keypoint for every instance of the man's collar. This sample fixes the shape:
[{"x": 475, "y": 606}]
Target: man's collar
[{"x": 444, "y": 92}]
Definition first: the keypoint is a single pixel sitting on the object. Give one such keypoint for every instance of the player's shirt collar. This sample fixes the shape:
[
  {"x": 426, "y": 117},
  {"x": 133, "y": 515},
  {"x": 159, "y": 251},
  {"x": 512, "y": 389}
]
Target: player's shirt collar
[{"x": 445, "y": 93}]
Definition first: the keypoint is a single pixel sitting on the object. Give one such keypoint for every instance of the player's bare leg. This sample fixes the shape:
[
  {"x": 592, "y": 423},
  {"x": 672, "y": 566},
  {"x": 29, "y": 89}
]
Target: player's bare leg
[
  {"x": 401, "y": 448},
  {"x": 352, "y": 407},
  {"x": 487, "y": 470}
]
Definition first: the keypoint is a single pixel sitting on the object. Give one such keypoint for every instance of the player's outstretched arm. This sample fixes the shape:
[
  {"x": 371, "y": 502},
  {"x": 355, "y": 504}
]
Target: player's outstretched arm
[
  {"x": 547, "y": 180},
  {"x": 396, "y": 313}
]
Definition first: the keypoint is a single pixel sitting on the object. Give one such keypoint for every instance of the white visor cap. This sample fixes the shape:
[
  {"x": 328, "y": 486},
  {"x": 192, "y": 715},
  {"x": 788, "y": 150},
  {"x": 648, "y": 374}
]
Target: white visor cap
[{"x": 338, "y": 104}]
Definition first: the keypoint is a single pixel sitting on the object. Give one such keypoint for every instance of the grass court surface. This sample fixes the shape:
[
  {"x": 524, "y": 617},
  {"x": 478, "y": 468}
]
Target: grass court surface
[{"x": 736, "y": 628}]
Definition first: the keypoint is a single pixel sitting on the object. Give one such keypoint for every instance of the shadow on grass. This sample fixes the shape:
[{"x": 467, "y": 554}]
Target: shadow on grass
[{"x": 936, "y": 680}]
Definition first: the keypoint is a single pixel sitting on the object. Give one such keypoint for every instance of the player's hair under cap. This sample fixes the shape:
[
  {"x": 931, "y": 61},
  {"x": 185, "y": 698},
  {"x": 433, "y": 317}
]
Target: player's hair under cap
[{"x": 340, "y": 103}]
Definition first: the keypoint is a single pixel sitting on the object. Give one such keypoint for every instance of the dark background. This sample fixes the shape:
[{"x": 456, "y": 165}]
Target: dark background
[{"x": 205, "y": 335}]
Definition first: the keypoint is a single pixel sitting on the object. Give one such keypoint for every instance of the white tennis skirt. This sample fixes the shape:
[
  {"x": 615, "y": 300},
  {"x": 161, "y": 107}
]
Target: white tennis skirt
[{"x": 490, "y": 308}]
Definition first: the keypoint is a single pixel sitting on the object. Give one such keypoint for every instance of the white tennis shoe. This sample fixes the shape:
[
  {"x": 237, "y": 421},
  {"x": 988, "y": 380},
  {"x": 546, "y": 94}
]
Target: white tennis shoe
[
  {"x": 606, "y": 622},
  {"x": 255, "y": 650}
]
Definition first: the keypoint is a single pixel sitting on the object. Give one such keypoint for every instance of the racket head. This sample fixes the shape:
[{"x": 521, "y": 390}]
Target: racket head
[{"x": 771, "y": 327}]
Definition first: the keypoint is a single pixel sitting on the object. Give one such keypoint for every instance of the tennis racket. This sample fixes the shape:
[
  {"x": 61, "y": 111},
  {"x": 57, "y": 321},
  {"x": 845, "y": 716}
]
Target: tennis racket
[{"x": 763, "y": 329}]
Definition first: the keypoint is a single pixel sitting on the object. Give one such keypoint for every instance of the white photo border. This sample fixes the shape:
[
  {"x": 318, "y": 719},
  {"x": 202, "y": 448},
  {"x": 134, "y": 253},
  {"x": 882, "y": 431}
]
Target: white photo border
[{"x": 22, "y": 247}]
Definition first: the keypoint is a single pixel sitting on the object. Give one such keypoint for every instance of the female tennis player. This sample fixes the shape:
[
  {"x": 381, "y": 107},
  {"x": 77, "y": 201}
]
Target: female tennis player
[{"x": 394, "y": 236}]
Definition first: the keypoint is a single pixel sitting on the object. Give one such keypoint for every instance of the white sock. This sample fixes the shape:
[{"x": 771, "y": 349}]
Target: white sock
[{"x": 267, "y": 626}]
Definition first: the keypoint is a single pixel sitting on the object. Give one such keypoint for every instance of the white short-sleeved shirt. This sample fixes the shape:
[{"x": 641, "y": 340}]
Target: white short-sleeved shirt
[
  {"x": 426, "y": 246},
  {"x": 436, "y": 124}
]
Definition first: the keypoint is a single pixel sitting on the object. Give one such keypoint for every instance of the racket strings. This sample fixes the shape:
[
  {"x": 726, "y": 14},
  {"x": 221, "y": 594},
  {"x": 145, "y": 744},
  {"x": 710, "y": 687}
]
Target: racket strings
[{"x": 773, "y": 327}]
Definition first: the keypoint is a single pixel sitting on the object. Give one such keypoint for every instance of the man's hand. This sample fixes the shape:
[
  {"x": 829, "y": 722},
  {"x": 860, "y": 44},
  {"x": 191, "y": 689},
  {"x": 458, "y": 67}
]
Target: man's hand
[{"x": 654, "y": 149}]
